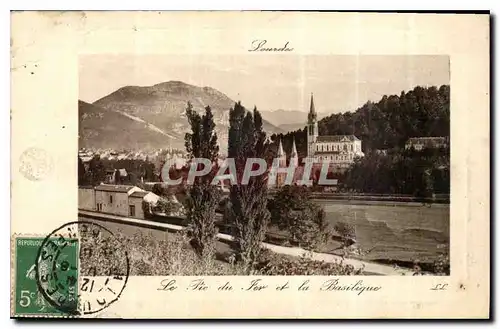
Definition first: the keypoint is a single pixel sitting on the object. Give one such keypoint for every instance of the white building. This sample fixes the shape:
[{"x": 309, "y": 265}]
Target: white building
[
  {"x": 339, "y": 150},
  {"x": 420, "y": 143},
  {"x": 121, "y": 200}
]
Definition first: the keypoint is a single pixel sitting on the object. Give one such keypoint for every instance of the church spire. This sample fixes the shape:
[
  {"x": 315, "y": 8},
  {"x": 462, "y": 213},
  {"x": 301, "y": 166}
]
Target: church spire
[
  {"x": 294, "y": 149},
  {"x": 280, "y": 150},
  {"x": 312, "y": 111},
  {"x": 281, "y": 156},
  {"x": 294, "y": 156}
]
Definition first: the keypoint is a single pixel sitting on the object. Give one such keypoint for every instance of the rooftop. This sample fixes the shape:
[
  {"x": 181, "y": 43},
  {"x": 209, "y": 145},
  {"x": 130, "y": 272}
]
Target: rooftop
[
  {"x": 336, "y": 138},
  {"x": 114, "y": 188},
  {"x": 416, "y": 139},
  {"x": 139, "y": 194},
  {"x": 329, "y": 152}
]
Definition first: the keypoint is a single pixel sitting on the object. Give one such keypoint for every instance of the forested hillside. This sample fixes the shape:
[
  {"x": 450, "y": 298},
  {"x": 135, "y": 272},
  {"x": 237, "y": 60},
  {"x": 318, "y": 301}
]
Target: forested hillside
[{"x": 387, "y": 123}]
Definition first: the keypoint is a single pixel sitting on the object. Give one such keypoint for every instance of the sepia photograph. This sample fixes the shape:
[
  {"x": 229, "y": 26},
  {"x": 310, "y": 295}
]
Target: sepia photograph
[{"x": 346, "y": 158}]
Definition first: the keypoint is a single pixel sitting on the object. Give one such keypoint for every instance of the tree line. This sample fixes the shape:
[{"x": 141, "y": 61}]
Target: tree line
[{"x": 418, "y": 173}]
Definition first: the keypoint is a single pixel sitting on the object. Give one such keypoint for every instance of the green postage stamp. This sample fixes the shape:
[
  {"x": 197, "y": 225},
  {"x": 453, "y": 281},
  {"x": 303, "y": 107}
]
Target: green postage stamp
[
  {"x": 56, "y": 274},
  {"x": 79, "y": 269}
]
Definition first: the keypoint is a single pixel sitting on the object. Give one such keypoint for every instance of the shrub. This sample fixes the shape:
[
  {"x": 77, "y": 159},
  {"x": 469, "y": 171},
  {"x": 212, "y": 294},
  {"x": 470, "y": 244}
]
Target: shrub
[
  {"x": 275, "y": 264},
  {"x": 308, "y": 227},
  {"x": 346, "y": 231},
  {"x": 305, "y": 221},
  {"x": 169, "y": 207},
  {"x": 288, "y": 198},
  {"x": 441, "y": 266}
]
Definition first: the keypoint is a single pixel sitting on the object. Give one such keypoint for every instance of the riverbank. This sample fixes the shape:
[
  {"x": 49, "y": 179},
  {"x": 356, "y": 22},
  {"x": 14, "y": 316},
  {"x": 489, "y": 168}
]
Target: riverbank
[
  {"x": 367, "y": 202},
  {"x": 381, "y": 198}
]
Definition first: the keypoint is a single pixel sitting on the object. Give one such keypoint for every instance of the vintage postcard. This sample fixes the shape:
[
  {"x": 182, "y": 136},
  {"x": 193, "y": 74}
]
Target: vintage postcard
[{"x": 250, "y": 165}]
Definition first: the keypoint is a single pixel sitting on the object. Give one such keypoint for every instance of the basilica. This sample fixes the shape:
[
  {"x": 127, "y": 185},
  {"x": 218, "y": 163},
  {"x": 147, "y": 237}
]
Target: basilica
[{"x": 339, "y": 150}]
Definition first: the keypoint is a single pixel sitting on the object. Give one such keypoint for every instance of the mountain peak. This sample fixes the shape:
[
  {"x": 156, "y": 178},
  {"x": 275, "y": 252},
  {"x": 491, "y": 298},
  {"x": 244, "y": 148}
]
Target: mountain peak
[
  {"x": 172, "y": 83},
  {"x": 161, "y": 108}
]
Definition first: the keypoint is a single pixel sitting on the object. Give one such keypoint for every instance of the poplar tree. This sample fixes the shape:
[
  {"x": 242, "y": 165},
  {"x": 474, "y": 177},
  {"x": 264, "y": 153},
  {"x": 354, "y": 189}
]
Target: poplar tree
[
  {"x": 248, "y": 214},
  {"x": 203, "y": 197},
  {"x": 81, "y": 173}
]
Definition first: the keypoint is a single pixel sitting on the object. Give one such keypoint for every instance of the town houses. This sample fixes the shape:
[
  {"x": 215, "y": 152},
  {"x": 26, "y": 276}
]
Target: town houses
[{"x": 154, "y": 156}]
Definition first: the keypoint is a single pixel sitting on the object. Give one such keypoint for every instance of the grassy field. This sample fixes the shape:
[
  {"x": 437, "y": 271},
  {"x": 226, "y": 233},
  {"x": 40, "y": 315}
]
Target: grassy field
[{"x": 404, "y": 232}]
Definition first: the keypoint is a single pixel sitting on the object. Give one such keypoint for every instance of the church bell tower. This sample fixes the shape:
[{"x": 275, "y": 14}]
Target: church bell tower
[{"x": 312, "y": 130}]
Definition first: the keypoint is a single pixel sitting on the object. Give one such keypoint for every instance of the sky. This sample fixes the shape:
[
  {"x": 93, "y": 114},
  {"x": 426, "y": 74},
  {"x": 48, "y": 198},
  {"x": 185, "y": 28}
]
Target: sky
[{"x": 269, "y": 81}]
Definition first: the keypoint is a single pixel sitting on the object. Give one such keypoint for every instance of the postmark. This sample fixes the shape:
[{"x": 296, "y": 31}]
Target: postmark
[
  {"x": 102, "y": 268},
  {"x": 35, "y": 164}
]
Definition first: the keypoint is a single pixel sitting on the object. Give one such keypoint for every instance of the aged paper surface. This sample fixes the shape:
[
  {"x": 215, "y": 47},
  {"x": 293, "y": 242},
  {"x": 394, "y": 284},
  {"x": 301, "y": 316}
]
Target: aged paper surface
[{"x": 58, "y": 58}]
